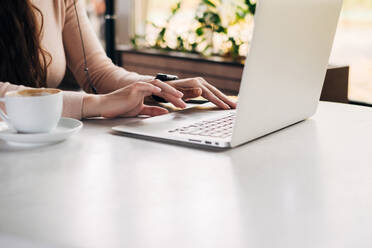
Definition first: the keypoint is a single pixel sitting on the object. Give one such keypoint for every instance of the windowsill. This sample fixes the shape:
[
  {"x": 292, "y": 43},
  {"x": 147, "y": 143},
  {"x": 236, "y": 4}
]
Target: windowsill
[
  {"x": 128, "y": 49},
  {"x": 223, "y": 73},
  {"x": 179, "y": 55}
]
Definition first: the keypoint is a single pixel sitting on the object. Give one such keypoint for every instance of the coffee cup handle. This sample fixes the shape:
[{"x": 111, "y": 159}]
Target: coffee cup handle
[{"x": 4, "y": 116}]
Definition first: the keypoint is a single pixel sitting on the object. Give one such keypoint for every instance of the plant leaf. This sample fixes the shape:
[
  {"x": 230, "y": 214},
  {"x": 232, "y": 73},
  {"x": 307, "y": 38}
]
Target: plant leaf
[
  {"x": 209, "y": 3},
  {"x": 199, "y": 31}
]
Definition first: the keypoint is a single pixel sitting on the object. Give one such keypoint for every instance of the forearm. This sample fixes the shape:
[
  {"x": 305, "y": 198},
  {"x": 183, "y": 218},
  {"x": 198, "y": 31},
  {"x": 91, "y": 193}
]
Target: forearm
[
  {"x": 119, "y": 78},
  {"x": 107, "y": 77},
  {"x": 104, "y": 75}
]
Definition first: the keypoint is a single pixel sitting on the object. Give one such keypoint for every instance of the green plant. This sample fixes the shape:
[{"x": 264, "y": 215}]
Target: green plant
[{"x": 209, "y": 26}]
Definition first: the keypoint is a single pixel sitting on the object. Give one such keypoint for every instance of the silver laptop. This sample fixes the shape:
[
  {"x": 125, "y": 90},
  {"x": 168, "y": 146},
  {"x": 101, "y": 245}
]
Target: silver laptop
[{"x": 281, "y": 84}]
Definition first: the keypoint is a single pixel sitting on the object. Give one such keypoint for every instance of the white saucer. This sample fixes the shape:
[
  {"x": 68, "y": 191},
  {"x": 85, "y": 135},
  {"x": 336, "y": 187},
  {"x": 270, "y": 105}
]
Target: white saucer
[{"x": 66, "y": 127}]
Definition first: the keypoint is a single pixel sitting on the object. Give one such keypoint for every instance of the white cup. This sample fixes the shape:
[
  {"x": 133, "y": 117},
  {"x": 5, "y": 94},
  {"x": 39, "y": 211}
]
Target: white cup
[{"x": 33, "y": 110}]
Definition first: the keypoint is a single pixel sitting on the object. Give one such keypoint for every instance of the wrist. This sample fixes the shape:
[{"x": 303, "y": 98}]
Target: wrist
[{"x": 92, "y": 106}]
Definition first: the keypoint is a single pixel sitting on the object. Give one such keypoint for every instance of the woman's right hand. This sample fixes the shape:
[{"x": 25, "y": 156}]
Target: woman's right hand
[{"x": 126, "y": 102}]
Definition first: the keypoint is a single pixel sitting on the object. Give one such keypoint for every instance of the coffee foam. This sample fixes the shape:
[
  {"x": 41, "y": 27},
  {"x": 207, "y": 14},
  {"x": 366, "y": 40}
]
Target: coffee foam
[{"x": 33, "y": 92}]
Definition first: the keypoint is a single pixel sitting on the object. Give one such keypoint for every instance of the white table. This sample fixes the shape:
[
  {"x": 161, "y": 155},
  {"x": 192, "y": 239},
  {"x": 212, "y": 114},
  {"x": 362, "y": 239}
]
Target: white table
[{"x": 307, "y": 186}]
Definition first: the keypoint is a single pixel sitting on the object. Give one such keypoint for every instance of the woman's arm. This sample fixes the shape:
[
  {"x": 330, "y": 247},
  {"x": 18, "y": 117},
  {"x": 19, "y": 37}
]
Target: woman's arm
[
  {"x": 125, "y": 102},
  {"x": 105, "y": 76}
]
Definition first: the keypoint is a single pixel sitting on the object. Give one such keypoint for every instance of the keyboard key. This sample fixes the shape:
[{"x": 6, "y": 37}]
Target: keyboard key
[{"x": 217, "y": 128}]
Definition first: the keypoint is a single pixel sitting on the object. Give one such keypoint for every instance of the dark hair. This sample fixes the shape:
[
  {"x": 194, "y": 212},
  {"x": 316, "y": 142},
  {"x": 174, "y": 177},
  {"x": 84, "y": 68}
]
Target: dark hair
[{"x": 22, "y": 59}]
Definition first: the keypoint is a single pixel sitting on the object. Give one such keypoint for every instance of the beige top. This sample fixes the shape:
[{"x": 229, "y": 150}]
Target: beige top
[{"x": 62, "y": 40}]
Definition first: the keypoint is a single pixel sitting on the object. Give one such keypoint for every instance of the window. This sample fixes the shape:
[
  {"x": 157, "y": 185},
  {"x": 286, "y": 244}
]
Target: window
[
  {"x": 159, "y": 10},
  {"x": 208, "y": 27},
  {"x": 353, "y": 46},
  {"x": 353, "y": 42}
]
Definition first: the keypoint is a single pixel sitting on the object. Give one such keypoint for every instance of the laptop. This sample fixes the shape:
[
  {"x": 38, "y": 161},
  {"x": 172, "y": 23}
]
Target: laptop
[{"x": 281, "y": 82}]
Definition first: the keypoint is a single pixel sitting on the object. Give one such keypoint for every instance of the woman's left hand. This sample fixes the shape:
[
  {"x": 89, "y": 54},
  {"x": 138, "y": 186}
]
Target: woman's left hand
[{"x": 195, "y": 87}]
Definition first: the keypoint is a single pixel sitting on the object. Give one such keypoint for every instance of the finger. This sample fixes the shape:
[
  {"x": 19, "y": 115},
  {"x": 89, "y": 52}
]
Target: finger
[
  {"x": 153, "y": 111},
  {"x": 190, "y": 87},
  {"x": 185, "y": 82},
  {"x": 167, "y": 88},
  {"x": 146, "y": 89},
  {"x": 176, "y": 101},
  {"x": 195, "y": 83},
  {"x": 207, "y": 94},
  {"x": 221, "y": 95},
  {"x": 191, "y": 92}
]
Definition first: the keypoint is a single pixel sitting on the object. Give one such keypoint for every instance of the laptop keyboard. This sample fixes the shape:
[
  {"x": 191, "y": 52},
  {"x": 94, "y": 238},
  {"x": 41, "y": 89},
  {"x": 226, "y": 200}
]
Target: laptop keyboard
[{"x": 215, "y": 128}]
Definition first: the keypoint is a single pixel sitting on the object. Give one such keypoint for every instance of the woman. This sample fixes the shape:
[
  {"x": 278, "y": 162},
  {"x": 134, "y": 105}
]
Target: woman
[{"x": 39, "y": 38}]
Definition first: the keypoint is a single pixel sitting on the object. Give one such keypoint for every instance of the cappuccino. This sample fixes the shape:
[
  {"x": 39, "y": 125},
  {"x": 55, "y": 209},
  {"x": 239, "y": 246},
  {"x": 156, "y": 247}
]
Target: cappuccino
[
  {"x": 33, "y": 110},
  {"x": 33, "y": 92}
]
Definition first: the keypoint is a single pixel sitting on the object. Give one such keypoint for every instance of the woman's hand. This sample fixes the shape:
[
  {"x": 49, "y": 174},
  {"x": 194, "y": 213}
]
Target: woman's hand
[
  {"x": 195, "y": 87},
  {"x": 169, "y": 93},
  {"x": 129, "y": 101}
]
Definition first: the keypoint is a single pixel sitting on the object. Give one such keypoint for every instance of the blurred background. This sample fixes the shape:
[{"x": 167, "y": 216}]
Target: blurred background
[{"x": 352, "y": 47}]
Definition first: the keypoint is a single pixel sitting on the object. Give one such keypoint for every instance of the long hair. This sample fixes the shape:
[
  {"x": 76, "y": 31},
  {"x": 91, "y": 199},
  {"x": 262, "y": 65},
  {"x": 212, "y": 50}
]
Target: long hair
[{"x": 22, "y": 59}]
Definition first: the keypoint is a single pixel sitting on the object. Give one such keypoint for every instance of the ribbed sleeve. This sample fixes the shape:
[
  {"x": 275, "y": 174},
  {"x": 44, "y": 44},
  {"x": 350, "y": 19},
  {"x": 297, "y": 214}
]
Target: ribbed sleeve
[
  {"x": 105, "y": 76},
  {"x": 73, "y": 104}
]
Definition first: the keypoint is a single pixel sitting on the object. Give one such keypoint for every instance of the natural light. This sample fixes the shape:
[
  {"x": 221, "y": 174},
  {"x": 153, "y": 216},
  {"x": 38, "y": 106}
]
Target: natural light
[{"x": 353, "y": 42}]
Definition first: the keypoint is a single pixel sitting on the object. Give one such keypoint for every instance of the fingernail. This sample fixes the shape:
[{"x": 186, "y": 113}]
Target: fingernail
[{"x": 179, "y": 93}]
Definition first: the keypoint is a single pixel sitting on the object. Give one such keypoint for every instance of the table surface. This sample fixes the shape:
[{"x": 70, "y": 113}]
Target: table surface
[{"x": 309, "y": 185}]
